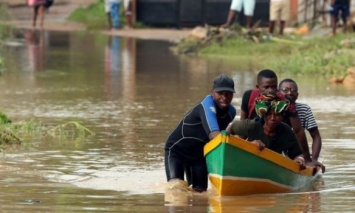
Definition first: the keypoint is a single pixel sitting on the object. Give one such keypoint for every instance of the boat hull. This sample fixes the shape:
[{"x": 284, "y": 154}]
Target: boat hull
[{"x": 238, "y": 167}]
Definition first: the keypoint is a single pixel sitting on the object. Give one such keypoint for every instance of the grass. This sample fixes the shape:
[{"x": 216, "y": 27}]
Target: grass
[
  {"x": 6, "y": 31},
  {"x": 325, "y": 56},
  {"x": 94, "y": 16},
  {"x": 11, "y": 132}
]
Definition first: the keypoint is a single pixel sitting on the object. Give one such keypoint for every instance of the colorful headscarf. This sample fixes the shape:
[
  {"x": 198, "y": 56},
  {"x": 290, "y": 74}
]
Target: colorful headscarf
[{"x": 271, "y": 101}]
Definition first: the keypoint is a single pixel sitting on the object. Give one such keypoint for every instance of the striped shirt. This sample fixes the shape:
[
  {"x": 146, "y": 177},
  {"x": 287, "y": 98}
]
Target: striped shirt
[{"x": 305, "y": 114}]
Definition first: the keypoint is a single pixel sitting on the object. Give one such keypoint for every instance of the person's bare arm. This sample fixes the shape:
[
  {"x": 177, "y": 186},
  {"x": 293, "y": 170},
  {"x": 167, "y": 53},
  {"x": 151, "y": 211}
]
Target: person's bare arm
[
  {"x": 213, "y": 134},
  {"x": 316, "y": 147},
  {"x": 317, "y": 143},
  {"x": 301, "y": 137},
  {"x": 243, "y": 115}
]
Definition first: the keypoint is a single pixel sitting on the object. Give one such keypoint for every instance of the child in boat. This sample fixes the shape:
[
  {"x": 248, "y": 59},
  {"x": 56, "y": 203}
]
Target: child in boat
[{"x": 269, "y": 132}]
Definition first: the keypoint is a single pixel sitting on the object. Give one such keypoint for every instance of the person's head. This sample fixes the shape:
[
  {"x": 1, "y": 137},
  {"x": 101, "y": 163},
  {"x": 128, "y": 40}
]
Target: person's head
[
  {"x": 222, "y": 90},
  {"x": 271, "y": 107},
  {"x": 266, "y": 81},
  {"x": 289, "y": 87}
]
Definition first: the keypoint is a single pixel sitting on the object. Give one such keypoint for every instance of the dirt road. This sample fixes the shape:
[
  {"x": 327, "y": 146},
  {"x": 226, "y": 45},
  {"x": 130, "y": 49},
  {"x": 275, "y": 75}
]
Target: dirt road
[{"x": 56, "y": 17}]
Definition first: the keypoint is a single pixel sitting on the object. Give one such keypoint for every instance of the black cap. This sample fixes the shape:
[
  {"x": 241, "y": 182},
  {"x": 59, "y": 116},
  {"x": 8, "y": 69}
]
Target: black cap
[{"x": 223, "y": 83}]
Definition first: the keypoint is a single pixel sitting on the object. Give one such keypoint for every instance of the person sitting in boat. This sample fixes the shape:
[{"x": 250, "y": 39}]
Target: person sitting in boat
[
  {"x": 184, "y": 146},
  {"x": 289, "y": 87},
  {"x": 267, "y": 82},
  {"x": 269, "y": 131}
]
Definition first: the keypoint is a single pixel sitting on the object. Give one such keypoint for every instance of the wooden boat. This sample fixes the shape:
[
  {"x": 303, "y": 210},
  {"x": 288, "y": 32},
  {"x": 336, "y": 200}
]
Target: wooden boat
[{"x": 238, "y": 167}]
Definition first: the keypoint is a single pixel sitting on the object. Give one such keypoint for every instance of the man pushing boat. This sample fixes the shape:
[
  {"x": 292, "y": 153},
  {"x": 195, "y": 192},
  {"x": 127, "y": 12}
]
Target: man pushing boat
[{"x": 184, "y": 146}]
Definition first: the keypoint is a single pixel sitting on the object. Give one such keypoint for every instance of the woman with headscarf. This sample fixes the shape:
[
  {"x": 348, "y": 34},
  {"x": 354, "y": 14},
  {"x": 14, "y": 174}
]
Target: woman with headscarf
[{"x": 269, "y": 132}]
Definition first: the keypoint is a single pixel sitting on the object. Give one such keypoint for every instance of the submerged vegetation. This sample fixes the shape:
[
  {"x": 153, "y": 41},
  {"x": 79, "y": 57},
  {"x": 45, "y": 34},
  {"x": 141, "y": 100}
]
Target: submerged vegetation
[
  {"x": 11, "y": 132},
  {"x": 70, "y": 129},
  {"x": 327, "y": 56}
]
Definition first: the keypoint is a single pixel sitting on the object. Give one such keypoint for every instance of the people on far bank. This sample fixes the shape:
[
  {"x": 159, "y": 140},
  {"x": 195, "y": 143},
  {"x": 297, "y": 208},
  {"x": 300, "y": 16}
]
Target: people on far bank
[
  {"x": 184, "y": 146},
  {"x": 128, "y": 13},
  {"x": 38, "y": 10},
  {"x": 339, "y": 7},
  {"x": 289, "y": 87},
  {"x": 112, "y": 9},
  {"x": 236, "y": 7},
  {"x": 108, "y": 13},
  {"x": 279, "y": 10}
]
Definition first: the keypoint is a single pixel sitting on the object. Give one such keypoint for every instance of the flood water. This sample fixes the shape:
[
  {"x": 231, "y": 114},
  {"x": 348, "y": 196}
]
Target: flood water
[{"x": 131, "y": 93}]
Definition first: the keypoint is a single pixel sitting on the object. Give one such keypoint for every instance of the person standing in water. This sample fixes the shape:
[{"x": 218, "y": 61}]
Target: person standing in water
[
  {"x": 38, "y": 10},
  {"x": 184, "y": 146}
]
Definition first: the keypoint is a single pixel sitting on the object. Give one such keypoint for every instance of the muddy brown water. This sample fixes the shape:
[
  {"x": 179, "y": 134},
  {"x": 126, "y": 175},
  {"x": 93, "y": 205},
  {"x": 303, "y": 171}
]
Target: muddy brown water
[{"x": 131, "y": 93}]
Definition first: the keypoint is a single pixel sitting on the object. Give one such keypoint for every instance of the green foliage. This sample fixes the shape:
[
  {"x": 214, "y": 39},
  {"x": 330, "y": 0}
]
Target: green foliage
[
  {"x": 4, "y": 119},
  {"x": 326, "y": 56},
  {"x": 8, "y": 137},
  {"x": 6, "y": 31},
  {"x": 10, "y": 132},
  {"x": 94, "y": 16},
  {"x": 1, "y": 65}
]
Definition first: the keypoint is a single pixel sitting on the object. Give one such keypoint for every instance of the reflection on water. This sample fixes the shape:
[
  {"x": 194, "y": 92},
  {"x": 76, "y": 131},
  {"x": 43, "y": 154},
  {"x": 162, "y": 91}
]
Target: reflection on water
[
  {"x": 305, "y": 202},
  {"x": 131, "y": 93},
  {"x": 35, "y": 42}
]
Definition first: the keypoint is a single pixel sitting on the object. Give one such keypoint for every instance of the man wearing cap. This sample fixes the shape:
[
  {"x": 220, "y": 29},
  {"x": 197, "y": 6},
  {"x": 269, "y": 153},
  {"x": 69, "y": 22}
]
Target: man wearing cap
[{"x": 184, "y": 146}]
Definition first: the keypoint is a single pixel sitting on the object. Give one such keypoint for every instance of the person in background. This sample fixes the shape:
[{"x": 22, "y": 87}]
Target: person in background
[
  {"x": 290, "y": 88},
  {"x": 338, "y": 6},
  {"x": 279, "y": 10},
  {"x": 38, "y": 9},
  {"x": 236, "y": 7},
  {"x": 128, "y": 12},
  {"x": 269, "y": 132},
  {"x": 108, "y": 13},
  {"x": 48, "y": 4},
  {"x": 184, "y": 146},
  {"x": 115, "y": 6},
  {"x": 325, "y": 12},
  {"x": 267, "y": 82}
]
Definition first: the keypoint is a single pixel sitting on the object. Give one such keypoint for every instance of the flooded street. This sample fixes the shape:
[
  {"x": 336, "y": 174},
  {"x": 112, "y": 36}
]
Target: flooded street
[{"x": 132, "y": 93}]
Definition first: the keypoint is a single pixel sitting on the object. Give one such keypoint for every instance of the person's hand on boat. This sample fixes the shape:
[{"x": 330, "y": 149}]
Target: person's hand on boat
[
  {"x": 300, "y": 160},
  {"x": 315, "y": 163},
  {"x": 259, "y": 144}
]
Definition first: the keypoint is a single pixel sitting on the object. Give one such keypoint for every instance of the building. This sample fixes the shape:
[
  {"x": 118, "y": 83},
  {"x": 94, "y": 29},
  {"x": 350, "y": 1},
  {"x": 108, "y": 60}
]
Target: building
[{"x": 190, "y": 13}]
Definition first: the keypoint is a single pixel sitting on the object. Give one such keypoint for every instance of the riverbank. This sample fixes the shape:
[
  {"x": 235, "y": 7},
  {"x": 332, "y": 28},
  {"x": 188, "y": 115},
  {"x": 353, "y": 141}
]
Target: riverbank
[
  {"x": 319, "y": 54},
  {"x": 56, "y": 20}
]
